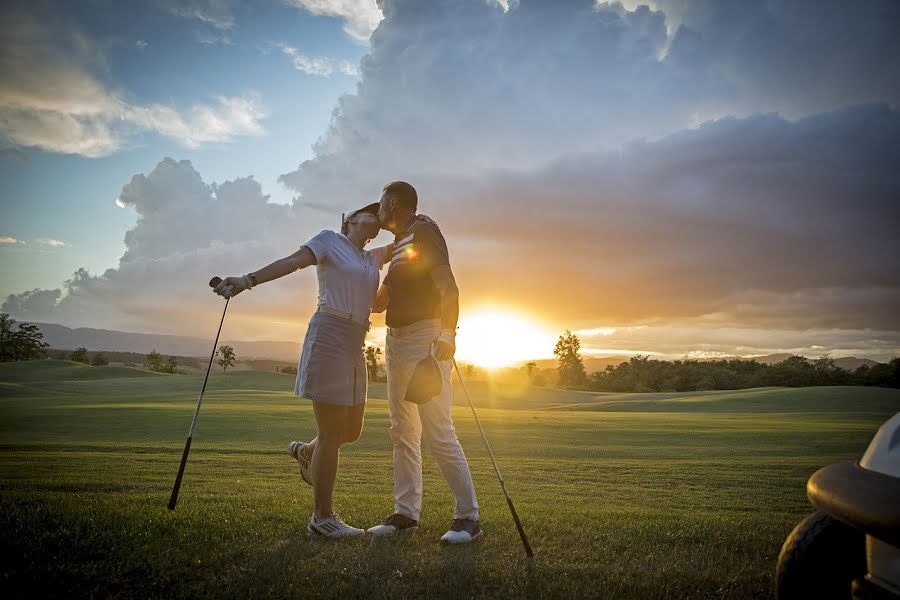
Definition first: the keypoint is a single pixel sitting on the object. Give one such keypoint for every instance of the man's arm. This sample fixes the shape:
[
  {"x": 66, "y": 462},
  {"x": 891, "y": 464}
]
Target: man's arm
[{"x": 445, "y": 346}]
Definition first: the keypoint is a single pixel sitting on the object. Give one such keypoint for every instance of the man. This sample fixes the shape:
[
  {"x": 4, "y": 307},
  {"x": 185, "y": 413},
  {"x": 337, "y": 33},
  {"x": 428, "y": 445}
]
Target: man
[{"x": 422, "y": 311}]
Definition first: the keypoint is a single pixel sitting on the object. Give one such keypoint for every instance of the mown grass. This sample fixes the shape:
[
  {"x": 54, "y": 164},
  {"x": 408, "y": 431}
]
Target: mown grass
[{"x": 622, "y": 495}]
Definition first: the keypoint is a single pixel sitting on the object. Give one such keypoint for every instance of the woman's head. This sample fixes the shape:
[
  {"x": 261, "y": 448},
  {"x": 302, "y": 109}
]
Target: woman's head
[{"x": 362, "y": 224}]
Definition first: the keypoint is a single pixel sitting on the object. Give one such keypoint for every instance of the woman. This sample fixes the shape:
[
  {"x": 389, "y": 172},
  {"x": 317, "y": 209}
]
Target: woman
[{"x": 332, "y": 370}]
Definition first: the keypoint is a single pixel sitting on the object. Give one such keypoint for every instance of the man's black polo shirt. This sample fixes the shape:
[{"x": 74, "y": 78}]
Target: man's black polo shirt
[{"x": 412, "y": 293}]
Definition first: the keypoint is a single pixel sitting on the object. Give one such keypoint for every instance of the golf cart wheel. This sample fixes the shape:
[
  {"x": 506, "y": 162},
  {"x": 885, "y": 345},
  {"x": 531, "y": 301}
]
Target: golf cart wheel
[{"x": 820, "y": 559}]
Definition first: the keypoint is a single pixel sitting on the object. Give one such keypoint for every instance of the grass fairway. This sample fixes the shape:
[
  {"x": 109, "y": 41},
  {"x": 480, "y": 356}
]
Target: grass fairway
[{"x": 622, "y": 495}]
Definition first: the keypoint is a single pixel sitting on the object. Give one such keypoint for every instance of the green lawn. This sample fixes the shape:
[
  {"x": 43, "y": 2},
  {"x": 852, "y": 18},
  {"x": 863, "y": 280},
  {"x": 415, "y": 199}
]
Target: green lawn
[{"x": 622, "y": 495}]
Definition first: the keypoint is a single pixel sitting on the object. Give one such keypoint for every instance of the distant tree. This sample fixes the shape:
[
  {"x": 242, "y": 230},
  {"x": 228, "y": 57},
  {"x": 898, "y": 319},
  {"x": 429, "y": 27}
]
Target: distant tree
[
  {"x": 373, "y": 354},
  {"x": 99, "y": 359},
  {"x": 170, "y": 365},
  {"x": 24, "y": 343},
  {"x": 529, "y": 370},
  {"x": 568, "y": 354},
  {"x": 154, "y": 359},
  {"x": 79, "y": 355},
  {"x": 289, "y": 370},
  {"x": 826, "y": 372},
  {"x": 226, "y": 357},
  {"x": 470, "y": 371}
]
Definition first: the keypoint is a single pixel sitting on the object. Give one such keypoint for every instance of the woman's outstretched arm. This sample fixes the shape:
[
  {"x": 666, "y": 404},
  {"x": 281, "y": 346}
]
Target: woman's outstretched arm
[{"x": 302, "y": 258}]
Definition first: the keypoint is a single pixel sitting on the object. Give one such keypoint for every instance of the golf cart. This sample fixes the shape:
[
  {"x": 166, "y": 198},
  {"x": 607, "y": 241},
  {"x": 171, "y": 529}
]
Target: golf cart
[{"x": 850, "y": 547}]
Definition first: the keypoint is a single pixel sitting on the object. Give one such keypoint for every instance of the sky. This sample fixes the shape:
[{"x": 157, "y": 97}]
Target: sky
[{"x": 675, "y": 178}]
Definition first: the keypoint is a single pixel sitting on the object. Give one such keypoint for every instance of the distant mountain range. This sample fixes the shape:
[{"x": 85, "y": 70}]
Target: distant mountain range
[{"x": 65, "y": 338}]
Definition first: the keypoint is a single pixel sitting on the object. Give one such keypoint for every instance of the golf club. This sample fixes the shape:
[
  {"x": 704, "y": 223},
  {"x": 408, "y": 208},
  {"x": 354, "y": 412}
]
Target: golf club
[
  {"x": 487, "y": 445},
  {"x": 215, "y": 281}
]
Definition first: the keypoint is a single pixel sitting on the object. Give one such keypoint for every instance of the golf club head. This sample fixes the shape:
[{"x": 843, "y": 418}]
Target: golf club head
[{"x": 215, "y": 281}]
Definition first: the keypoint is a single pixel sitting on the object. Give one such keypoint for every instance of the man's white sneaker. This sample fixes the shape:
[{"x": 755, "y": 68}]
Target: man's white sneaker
[
  {"x": 296, "y": 449},
  {"x": 331, "y": 527},
  {"x": 462, "y": 531},
  {"x": 394, "y": 524}
]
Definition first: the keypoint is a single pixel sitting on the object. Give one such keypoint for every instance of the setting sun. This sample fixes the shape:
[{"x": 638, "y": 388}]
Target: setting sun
[{"x": 497, "y": 337}]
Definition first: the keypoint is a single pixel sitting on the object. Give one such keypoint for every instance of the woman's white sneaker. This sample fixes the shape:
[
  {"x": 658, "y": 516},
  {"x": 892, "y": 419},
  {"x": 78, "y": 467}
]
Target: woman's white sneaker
[
  {"x": 331, "y": 527},
  {"x": 297, "y": 449},
  {"x": 462, "y": 531}
]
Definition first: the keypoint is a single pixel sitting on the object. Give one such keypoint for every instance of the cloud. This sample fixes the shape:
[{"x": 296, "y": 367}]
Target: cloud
[
  {"x": 759, "y": 221},
  {"x": 360, "y": 17},
  {"x": 465, "y": 85},
  {"x": 32, "y": 303},
  {"x": 688, "y": 339},
  {"x": 51, "y": 98},
  {"x": 589, "y": 154},
  {"x": 51, "y": 242},
  {"x": 215, "y": 17},
  {"x": 814, "y": 55},
  {"x": 141, "y": 44},
  {"x": 5, "y": 239},
  {"x": 187, "y": 231},
  {"x": 638, "y": 172},
  {"x": 215, "y": 13},
  {"x": 322, "y": 66}
]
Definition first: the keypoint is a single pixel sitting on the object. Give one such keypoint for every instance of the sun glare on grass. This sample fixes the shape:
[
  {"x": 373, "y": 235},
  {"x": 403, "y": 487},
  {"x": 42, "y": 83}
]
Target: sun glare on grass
[{"x": 497, "y": 337}]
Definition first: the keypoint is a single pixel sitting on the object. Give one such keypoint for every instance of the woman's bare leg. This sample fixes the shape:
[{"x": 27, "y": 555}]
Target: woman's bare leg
[
  {"x": 353, "y": 429},
  {"x": 332, "y": 422}
]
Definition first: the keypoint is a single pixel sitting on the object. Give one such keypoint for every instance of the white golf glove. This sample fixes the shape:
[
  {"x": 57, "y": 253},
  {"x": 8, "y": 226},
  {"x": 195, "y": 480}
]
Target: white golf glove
[
  {"x": 232, "y": 286},
  {"x": 444, "y": 347}
]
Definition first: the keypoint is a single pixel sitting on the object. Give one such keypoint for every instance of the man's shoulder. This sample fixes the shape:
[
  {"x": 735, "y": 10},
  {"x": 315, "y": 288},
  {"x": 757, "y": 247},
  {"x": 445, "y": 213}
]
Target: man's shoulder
[{"x": 426, "y": 227}]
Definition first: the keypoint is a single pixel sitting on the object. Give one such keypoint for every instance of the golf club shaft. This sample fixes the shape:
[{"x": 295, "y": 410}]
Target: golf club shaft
[
  {"x": 187, "y": 445},
  {"x": 487, "y": 445}
]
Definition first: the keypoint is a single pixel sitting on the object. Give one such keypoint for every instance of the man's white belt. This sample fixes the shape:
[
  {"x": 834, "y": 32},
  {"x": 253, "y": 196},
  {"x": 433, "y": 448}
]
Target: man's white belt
[{"x": 414, "y": 327}]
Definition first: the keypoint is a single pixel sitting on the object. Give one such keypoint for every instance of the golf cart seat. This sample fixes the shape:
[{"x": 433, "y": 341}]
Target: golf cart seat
[{"x": 866, "y": 500}]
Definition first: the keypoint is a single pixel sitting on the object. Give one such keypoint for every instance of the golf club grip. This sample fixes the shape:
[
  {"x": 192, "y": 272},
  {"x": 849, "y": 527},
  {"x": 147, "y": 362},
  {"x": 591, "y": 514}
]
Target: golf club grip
[
  {"x": 522, "y": 535},
  {"x": 174, "y": 498}
]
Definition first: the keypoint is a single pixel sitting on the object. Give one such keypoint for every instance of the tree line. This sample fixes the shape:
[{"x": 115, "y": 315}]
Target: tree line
[{"x": 643, "y": 374}]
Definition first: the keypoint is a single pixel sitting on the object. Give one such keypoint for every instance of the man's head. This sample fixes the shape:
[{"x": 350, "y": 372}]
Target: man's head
[{"x": 398, "y": 204}]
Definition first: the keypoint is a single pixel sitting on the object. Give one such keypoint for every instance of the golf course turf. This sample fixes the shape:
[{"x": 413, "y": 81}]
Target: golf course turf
[{"x": 622, "y": 495}]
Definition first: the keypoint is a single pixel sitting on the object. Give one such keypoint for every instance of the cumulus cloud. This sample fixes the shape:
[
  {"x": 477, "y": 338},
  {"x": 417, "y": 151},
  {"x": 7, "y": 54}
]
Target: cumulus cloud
[
  {"x": 319, "y": 65},
  {"x": 796, "y": 57},
  {"x": 360, "y": 17},
  {"x": 5, "y": 239},
  {"x": 467, "y": 86},
  {"x": 187, "y": 231},
  {"x": 52, "y": 98}
]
